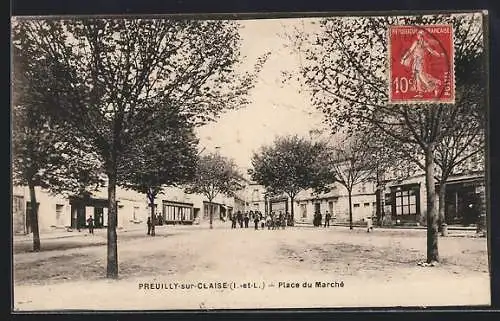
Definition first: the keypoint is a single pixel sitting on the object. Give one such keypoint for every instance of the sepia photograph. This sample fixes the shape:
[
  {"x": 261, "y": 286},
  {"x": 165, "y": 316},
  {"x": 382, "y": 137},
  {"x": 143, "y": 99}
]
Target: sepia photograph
[{"x": 225, "y": 162}]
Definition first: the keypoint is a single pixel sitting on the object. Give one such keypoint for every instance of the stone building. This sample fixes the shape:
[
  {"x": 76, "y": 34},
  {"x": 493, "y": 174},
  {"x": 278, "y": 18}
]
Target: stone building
[{"x": 173, "y": 206}]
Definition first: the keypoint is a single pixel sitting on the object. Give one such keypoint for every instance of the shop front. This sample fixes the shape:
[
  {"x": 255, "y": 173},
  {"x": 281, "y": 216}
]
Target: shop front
[
  {"x": 278, "y": 205},
  {"x": 404, "y": 203},
  {"x": 177, "y": 213},
  {"x": 463, "y": 201},
  {"x": 82, "y": 208}
]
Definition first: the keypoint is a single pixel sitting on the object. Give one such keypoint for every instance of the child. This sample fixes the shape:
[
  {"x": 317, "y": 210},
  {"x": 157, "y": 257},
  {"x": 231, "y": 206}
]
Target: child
[{"x": 369, "y": 224}]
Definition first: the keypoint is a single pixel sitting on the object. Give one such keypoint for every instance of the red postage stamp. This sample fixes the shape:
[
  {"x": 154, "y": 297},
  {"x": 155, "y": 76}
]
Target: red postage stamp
[{"x": 421, "y": 64}]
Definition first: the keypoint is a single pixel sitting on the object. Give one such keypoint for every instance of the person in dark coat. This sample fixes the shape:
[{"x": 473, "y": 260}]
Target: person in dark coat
[
  {"x": 149, "y": 225},
  {"x": 90, "y": 222},
  {"x": 256, "y": 219},
  {"x": 327, "y": 219},
  {"x": 233, "y": 221},
  {"x": 240, "y": 219},
  {"x": 246, "y": 220}
]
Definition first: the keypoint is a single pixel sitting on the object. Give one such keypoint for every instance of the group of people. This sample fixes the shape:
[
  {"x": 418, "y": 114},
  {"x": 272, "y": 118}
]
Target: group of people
[
  {"x": 318, "y": 219},
  {"x": 271, "y": 220},
  {"x": 157, "y": 219}
]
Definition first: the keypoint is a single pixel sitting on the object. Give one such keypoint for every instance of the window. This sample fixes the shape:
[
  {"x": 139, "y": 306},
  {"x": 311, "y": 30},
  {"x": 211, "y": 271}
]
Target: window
[
  {"x": 303, "y": 210},
  {"x": 356, "y": 205},
  {"x": 388, "y": 199},
  {"x": 178, "y": 213},
  {"x": 406, "y": 202},
  {"x": 59, "y": 210},
  {"x": 255, "y": 194},
  {"x": 366, "y": 204},
  {"x": 136, "y": 210},
  {"x": 59, "y": 214}
]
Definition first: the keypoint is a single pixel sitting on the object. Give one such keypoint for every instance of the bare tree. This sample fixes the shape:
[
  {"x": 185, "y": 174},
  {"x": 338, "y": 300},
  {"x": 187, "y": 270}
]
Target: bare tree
[{"x": 353, "y": 162}]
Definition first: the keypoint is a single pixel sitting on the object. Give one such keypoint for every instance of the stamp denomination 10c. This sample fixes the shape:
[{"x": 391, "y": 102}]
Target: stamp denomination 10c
[{"x": 421, "y": 64}]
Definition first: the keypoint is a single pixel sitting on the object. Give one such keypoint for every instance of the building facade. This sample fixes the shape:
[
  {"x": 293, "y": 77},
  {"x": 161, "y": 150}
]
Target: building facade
[
  {"x": 336, "y": 202},
  {"x": 465, "y": 203},
  {"x": 173, "y": 206},
  {"x": 402, "y": 202}
]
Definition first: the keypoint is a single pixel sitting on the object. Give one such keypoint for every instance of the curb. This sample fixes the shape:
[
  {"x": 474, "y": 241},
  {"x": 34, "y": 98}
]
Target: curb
[
  {"x": 48, "y": 236},
  {"x": 450, "y": 228}
]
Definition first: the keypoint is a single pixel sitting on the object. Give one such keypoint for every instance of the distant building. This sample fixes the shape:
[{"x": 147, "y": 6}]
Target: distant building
[
  {"x": 173, "y": 206},
  {"x": 251, "y": 197},
  {"x": 405, "y": 200},
  {"x": 256, "y": 197},
  {"x": 336, "y": 202}
]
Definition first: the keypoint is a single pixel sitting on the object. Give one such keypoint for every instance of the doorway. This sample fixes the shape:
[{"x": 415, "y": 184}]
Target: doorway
[{"x": 98, "y": 217}]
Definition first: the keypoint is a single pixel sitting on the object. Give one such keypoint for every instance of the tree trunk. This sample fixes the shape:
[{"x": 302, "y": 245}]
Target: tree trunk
[
  {"x": 211, "y": 214},
  {"x": 349, "y": 193},
  {"x": 112, "y": 264},
  {"x": 442, "y": 205},
  {"x": 432, "y": 224},
  {"x": 153, "y": 218},
  {"x": 292, "y": 218},
  {"x": 34, "y": 218}
]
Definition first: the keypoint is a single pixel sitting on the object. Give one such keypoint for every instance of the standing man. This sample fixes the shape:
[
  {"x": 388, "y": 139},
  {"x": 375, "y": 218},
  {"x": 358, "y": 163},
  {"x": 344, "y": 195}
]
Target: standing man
[
  {"x": 256, "y": 219},
  {"x": 240, "y": 219},
  {"x": 327, "y": 219},
  {"x": 149, "y": 225},
  {"x": 233, "y": 221},
  {"x": 247, "y": 218},
  {"x": 90, "y": 222},
  {"x": 319, "y": 219}
]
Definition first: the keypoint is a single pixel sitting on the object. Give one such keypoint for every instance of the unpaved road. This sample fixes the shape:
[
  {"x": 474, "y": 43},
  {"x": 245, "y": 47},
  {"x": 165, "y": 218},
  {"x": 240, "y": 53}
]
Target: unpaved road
[{"x": 376, "y": 269}]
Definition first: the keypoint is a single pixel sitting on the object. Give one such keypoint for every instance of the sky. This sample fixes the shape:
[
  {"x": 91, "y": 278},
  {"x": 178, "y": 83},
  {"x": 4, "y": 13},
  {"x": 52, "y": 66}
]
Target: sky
[{"x": 275, "y": 109}]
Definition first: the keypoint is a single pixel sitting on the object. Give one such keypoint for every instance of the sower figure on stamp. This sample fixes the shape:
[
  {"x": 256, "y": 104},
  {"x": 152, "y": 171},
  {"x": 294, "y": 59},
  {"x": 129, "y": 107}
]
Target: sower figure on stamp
[{"x": 415, "y": 58}]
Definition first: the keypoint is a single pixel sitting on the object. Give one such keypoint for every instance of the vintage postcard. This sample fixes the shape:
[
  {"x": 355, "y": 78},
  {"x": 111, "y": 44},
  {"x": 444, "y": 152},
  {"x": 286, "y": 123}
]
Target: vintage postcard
[{"x": 187, "y": 163}]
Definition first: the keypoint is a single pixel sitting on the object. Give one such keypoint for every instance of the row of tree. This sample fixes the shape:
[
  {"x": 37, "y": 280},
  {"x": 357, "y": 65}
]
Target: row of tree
[
  {"x": 115, "y": 102},
  {"x": 293, "y": 164},
  {"x": 344, "y": 68}
]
